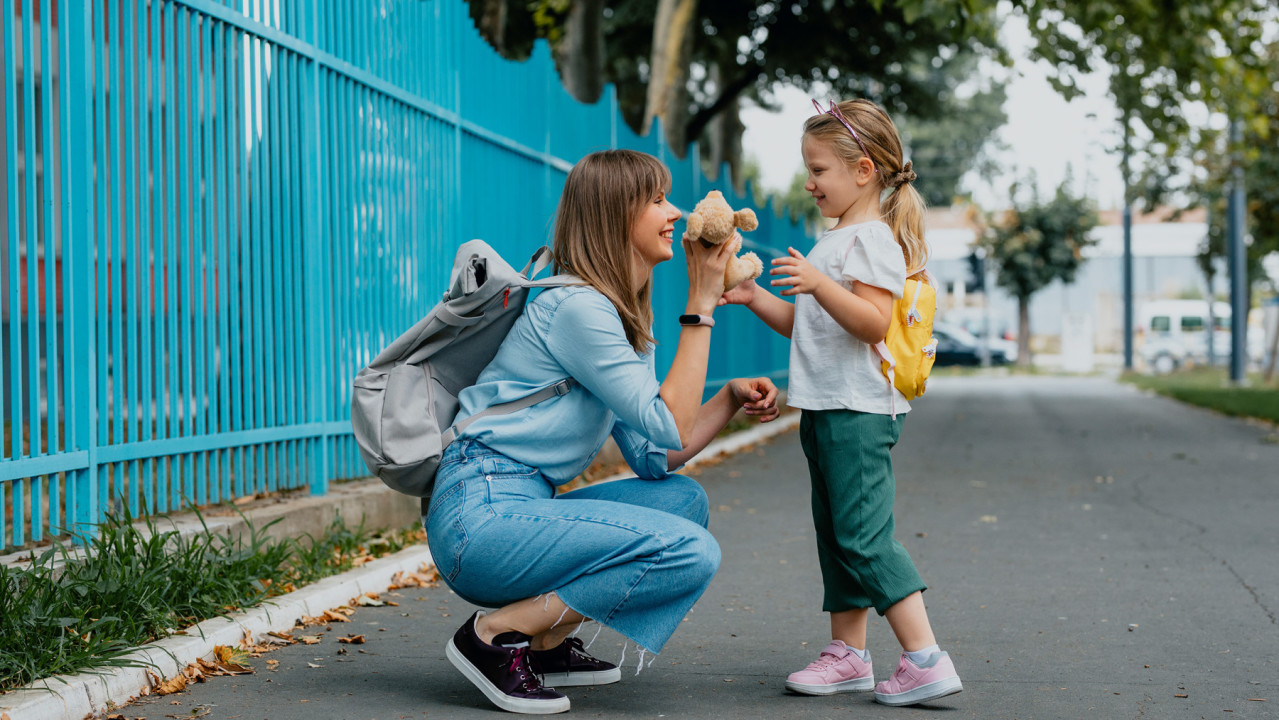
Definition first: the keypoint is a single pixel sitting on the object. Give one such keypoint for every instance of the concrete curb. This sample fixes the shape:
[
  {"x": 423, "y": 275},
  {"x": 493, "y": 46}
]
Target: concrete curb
[{"x": 71, "y": 697}]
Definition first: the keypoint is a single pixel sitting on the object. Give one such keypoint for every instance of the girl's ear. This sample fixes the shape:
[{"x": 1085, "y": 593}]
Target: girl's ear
[{"x": 865, "y": 170}]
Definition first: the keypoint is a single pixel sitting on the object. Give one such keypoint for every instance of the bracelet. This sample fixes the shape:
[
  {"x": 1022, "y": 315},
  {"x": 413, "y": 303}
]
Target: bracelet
[{"x": 695, "y": 320}]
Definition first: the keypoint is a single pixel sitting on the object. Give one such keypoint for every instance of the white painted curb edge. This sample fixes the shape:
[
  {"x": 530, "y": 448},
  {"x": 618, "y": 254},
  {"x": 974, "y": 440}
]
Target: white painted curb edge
[{"x": 71, "y": 697}]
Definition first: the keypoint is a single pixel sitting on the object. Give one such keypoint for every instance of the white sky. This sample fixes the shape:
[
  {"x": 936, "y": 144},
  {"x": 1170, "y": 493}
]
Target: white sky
[{"x": 1044, "y": 133}]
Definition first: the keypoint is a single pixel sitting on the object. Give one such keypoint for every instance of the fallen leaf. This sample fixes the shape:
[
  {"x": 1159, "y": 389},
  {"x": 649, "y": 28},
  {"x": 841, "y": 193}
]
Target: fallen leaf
[
  {"x": 1256, "y": 699},
  {"x": 369, "y": 600},
  {"x": 1180, "y": 695},
  {"x": 989, "y": 519},
  {"x": 174, "y": 685},
  {"x": 331, "y": 616},
  {"x": 230, "y": 659},
  {"x": 352, "y": 639},
  {"x": 313, "y": 665},
  {"x": 309, "y": 639}
]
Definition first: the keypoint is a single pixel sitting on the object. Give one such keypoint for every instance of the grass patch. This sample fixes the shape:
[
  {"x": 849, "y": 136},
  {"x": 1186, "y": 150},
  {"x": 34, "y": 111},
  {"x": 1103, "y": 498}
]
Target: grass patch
[
  {"x": 1211, "y": 388},
  {"x": 133, "y": 587}
]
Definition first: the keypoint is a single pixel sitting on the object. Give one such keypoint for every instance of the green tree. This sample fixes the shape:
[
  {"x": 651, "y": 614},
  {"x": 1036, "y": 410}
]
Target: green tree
[
  {"x": 1035, "y": 243},
  {"x": 1163, "y": 59},
  {"x": 946, "y": 146},
  {"x": 709, "y": 56}
]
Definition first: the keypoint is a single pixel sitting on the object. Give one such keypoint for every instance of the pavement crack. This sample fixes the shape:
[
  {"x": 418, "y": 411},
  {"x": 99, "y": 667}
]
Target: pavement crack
[{"x": 1201, "y": 530}]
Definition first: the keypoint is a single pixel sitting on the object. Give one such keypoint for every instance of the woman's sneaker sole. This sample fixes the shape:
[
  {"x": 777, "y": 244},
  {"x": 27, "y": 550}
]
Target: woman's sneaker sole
[
  {"x": 923, "y": 693},
  {"x": 854, "y": 685},
  {"x": 497, "y": 697},
  {"x": 582, "y": 679}
]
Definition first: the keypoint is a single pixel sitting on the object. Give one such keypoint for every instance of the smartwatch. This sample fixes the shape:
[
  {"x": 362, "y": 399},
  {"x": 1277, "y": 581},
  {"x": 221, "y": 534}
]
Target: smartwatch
[{"x": 694, "y": 320}]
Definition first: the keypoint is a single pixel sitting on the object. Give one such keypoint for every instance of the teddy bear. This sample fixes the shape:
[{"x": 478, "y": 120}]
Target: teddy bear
[{"x": 714, "y": 222}]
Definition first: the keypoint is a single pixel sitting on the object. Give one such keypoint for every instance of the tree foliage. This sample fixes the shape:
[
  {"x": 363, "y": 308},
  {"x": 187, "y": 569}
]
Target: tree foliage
[
  {"x": 947, "y": 146},
  {"x": 855, "y": 48},
  {"x": 1164, "y": 59},
  {"x": 1037, "y": 242}
]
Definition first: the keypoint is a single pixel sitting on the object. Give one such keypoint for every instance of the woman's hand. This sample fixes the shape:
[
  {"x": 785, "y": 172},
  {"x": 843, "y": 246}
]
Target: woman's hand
[
  {"x": 803, "y": 277},
  {"x": 705, "y": 274},
  {"x": 756, "y": 396}
]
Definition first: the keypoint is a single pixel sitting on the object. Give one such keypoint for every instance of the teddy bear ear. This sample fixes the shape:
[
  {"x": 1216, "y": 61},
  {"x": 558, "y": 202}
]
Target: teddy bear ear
[{"x": 745, "y": 219}]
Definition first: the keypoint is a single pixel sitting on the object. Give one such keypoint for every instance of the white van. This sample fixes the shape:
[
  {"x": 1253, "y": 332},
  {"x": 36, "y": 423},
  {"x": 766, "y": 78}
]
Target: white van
[{"x": 1173, "y": 333}]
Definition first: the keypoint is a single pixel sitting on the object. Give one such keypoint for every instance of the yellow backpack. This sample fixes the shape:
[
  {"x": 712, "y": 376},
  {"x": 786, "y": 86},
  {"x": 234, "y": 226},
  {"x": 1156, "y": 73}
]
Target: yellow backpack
[{"x": 909, "y": 349}]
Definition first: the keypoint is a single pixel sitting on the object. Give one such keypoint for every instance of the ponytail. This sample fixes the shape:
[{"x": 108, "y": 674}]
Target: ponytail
[{"x": 904, "y": 212}]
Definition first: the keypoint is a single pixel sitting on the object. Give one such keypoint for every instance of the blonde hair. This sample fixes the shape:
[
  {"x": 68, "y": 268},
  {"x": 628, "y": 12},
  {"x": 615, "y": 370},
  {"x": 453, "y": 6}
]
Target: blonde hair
[
  {"x": 604, "y": 194},
  {"x": 904, "y": 209}
]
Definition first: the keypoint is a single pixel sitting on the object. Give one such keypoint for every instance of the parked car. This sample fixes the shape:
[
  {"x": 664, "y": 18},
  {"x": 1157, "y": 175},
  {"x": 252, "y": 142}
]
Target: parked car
[
  {"x": 1173, "y": 333},
  {"x": 957, "y": 346}
]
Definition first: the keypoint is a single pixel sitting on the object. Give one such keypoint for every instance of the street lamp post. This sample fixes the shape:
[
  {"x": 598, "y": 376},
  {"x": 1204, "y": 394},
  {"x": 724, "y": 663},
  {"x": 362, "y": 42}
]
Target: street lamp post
[
  {"x": 1238, "y": 260},
  {"x": 1127, "y": 269}
]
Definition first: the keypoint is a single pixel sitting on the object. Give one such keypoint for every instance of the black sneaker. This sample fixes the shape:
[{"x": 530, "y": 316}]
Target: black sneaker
[
  {"x": 501, "y": 671},
  {"x": 568, "y": 664}
]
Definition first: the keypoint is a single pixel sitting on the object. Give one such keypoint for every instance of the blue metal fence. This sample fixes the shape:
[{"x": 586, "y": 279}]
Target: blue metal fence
[{"x": 217, "y": 211}]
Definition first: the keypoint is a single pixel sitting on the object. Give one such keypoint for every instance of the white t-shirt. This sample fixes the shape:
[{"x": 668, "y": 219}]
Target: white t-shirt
[{"x": 829, "y": 368}]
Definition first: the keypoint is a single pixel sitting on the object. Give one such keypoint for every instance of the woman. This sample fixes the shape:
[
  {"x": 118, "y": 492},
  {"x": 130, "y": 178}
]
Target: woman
[{"x": 632, "y": 554}]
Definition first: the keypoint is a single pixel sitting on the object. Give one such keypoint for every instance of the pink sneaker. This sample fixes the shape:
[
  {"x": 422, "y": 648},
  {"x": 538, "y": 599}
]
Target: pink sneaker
[
  {"x": 932, "y": 679},
  {"x": 836, "y": 670}
]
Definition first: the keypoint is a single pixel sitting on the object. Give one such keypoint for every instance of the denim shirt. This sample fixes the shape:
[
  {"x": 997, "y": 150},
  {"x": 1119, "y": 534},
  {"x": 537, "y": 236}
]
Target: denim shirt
[{"x": 572, "y": 332}]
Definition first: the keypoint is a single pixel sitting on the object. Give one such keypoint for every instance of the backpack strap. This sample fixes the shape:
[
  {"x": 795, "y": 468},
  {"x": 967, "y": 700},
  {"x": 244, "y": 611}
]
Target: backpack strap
[
  {"x": 884, "y": 354},
  {"x": 560, "y": 388},
  {"x": 539, "y": 262}
]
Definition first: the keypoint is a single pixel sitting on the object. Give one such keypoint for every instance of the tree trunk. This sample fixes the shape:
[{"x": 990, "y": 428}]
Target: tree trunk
[
  {"x": 668, "y": 66},
  {"x": 580, "y": 53},
  {"x": 723, "y": 137},
  {"x": 490, "y": 20},
  {"x": 1023, "y": 332}
]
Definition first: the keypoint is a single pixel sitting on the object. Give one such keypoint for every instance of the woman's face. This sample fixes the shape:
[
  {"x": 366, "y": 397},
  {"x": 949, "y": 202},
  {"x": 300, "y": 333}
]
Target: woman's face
[{"x": 653, "y": 233}]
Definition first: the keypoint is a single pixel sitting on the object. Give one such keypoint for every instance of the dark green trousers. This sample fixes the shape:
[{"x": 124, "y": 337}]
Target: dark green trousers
[{"x": 853, "y": 491}]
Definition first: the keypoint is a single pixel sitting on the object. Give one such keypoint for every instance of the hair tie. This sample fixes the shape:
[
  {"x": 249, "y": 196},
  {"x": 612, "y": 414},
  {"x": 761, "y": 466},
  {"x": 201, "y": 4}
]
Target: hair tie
[{"x": 906, "y": 176}]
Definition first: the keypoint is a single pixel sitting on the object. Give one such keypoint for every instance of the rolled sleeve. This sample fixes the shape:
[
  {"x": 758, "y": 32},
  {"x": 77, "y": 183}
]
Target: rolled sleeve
[
  {"x": 645, "y": 458},
  {"x": 876, "y": 259},
  {"x": 587, "y": 338}
]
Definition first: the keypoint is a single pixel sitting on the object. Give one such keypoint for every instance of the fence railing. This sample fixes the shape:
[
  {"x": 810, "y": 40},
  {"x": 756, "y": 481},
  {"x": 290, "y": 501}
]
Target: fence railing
[{"x": 217, "y": 211}]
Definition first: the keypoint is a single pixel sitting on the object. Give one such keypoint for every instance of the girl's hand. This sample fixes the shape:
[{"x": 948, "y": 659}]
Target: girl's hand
[
  {"x": 705, "y": 273},
  {"x": 743, "y": 294},
  {"x": 803, "y": 277},
  {"x": 757, "y": 396}
]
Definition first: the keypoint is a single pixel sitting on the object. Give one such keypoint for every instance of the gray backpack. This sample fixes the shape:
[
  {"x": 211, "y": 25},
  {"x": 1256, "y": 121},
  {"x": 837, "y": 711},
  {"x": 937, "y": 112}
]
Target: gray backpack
[{"x": 404, "y": 402}]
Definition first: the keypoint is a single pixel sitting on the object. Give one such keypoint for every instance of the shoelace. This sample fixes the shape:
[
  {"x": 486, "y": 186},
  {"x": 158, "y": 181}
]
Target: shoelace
[
  {"x": 520, "y": 666},
  {"x": 823, "y": 661},
  {"x": 575, "y": 649}
]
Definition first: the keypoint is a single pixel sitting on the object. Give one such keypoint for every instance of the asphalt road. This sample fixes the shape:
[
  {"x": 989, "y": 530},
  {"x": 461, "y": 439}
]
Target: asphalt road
[{"x": 1091, "y": 551}]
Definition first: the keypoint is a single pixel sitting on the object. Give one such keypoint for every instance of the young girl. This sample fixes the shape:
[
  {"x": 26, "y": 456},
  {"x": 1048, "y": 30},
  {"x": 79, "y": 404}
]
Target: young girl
[
  {"x": 844, "y": 291},
  {"x": 632, "y": 554}
]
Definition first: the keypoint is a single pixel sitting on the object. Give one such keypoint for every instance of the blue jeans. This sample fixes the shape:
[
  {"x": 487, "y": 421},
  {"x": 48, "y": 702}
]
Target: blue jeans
[{"x": 631, "y": 554}]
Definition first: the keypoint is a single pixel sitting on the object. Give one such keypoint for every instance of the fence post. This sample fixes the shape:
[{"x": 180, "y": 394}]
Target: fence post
[
  {"x": 79, "y": 260},
  {"x": 315, "y": 246}
]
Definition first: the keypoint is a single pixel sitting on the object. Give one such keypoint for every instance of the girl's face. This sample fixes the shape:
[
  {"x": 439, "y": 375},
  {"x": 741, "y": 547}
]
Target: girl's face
[
  {"x": 653, "y": 232},
  {"x": 834, "y": 185}
]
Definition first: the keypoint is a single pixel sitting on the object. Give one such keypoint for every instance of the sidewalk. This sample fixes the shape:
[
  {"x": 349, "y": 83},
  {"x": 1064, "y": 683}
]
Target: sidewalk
[{"x": 1093, "y": 551}]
